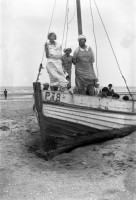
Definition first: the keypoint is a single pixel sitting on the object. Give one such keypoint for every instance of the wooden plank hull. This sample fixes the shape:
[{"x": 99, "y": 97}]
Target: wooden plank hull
[
  {"x": 94, "y": 112},
  {"x": 63, "y": 136},
  {"x": 68, "y": 120},
  {"x": 97, "y": 119}
]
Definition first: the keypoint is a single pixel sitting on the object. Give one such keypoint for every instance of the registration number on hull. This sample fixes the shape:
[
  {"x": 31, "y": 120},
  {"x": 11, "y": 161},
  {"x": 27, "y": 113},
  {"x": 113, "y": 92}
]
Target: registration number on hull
[{"x": 52, "y": 96}]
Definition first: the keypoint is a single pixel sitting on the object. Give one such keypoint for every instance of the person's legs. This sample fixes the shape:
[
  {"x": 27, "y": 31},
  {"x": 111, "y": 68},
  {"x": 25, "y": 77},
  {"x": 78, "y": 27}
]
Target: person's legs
[
  {"x": 80, "y": 86},
  {"x": 52, "y": 88},
  {"x": 90, "y": 89},
  {"x": 69, "y": 84}
]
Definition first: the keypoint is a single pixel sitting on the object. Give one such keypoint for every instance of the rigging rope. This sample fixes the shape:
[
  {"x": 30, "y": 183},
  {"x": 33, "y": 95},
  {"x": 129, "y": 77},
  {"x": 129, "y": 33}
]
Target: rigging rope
[
  {"x": 64, "y": 23},
  {"x": 94, "y": 37},
  {"x": 72, "y": 17},
  {"x": 41, "y": 67},
  {"x": 52, "y": 16},
  {"x": 67, "y": 22},
  {"x": 113, "y": 50}
]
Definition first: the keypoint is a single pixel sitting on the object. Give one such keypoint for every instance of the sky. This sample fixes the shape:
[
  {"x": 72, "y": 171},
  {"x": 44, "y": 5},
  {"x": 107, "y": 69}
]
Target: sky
[{"x": 26, "y": 23}]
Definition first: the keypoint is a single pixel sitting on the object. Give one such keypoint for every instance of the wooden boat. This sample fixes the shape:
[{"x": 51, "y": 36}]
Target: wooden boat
[{"x": 69, "y": 120}]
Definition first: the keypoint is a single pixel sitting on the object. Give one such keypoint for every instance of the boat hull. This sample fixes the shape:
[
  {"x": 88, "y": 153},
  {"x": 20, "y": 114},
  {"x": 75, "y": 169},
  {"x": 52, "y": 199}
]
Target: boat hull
[
  {"x": 67, "y": 121},
  {"x": 92, "y": 118}
]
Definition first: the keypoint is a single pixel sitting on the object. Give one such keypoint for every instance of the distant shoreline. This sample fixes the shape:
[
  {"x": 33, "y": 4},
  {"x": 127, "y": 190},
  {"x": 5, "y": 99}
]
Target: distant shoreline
[{"x": 12, "y": 96}]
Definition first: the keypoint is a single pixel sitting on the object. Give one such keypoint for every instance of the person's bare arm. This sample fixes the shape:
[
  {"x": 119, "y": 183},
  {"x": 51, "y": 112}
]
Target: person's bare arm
[{"x": 47, "y": 50}]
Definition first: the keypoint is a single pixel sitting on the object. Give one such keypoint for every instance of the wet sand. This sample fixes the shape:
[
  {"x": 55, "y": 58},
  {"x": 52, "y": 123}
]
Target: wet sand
[{"x": 104, "y": 171}]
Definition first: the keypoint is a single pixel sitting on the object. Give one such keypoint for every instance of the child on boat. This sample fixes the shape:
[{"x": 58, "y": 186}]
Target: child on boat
[
  {"x": 108, "y": 91},
  {"x": 67, "y": 63},
  {"x": 111, "y": 92}
]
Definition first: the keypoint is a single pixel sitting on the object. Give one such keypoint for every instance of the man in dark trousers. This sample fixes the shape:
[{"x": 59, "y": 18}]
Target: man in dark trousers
[{"x": 5, "y": 93}]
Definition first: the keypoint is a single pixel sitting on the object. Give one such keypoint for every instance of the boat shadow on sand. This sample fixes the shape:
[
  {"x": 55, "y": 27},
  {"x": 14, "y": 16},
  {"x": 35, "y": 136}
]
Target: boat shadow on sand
[{"x": 55, "y": 146}]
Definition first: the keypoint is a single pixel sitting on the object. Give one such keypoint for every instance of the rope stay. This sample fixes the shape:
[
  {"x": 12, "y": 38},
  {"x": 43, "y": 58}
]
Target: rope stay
[
  {"x": 113, "y": 50},
  {"x": 72, "y": 17},
  {"x": 65, "y": 23},
  {"x": 52, "y": 16},
  {"x": 94, "y": 36},
  {"x": 41, "y": 66}
]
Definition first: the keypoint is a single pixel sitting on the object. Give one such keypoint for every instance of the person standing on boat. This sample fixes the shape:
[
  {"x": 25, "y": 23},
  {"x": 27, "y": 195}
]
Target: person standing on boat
[
  {"x": 67, "y": 63},
  {"x": 83, "y": 58},
  {"x": 54, "y": 64}
]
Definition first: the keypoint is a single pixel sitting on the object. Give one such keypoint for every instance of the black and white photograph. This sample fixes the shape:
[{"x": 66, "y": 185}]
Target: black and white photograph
[{"x": 68, "y": 100}]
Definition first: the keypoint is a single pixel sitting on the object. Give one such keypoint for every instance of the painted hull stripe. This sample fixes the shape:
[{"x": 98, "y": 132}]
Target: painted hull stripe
[
  {"x": 88, "y": 122},
  {"x": 90, "y": 114}
]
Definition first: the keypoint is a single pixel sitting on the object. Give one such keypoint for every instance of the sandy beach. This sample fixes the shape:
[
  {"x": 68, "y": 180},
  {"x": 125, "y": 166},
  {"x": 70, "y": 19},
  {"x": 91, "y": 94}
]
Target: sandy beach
[{"x": 105, "y": 171}]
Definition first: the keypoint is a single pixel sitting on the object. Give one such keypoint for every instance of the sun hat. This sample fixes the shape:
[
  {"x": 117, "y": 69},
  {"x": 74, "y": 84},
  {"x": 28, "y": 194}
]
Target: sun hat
[
  {"x": 67, "y": 49},
  {"x": 81, "y": 37}
]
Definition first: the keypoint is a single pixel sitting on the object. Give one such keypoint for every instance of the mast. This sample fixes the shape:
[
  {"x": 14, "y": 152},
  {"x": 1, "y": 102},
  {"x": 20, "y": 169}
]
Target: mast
[{"x": 79, "y": 20}]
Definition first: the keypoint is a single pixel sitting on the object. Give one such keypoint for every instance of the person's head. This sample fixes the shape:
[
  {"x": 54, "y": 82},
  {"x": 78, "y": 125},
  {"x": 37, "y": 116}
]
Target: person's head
[
  {"x": 105, "y": 91},
  {"x": 110, "y": 85},
  {"x": 45, "y": 86},
  {"x": 67, "y": 51},
  {"x": 126, "y": 98},
  {"x": 52, "y": 36},
  {"x": 81, "y": 40}
]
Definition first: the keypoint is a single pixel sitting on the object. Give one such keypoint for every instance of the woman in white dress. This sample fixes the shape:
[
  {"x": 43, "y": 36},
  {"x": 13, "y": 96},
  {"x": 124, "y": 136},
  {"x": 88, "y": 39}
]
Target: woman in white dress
[{"x": 54, "y": 64}]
